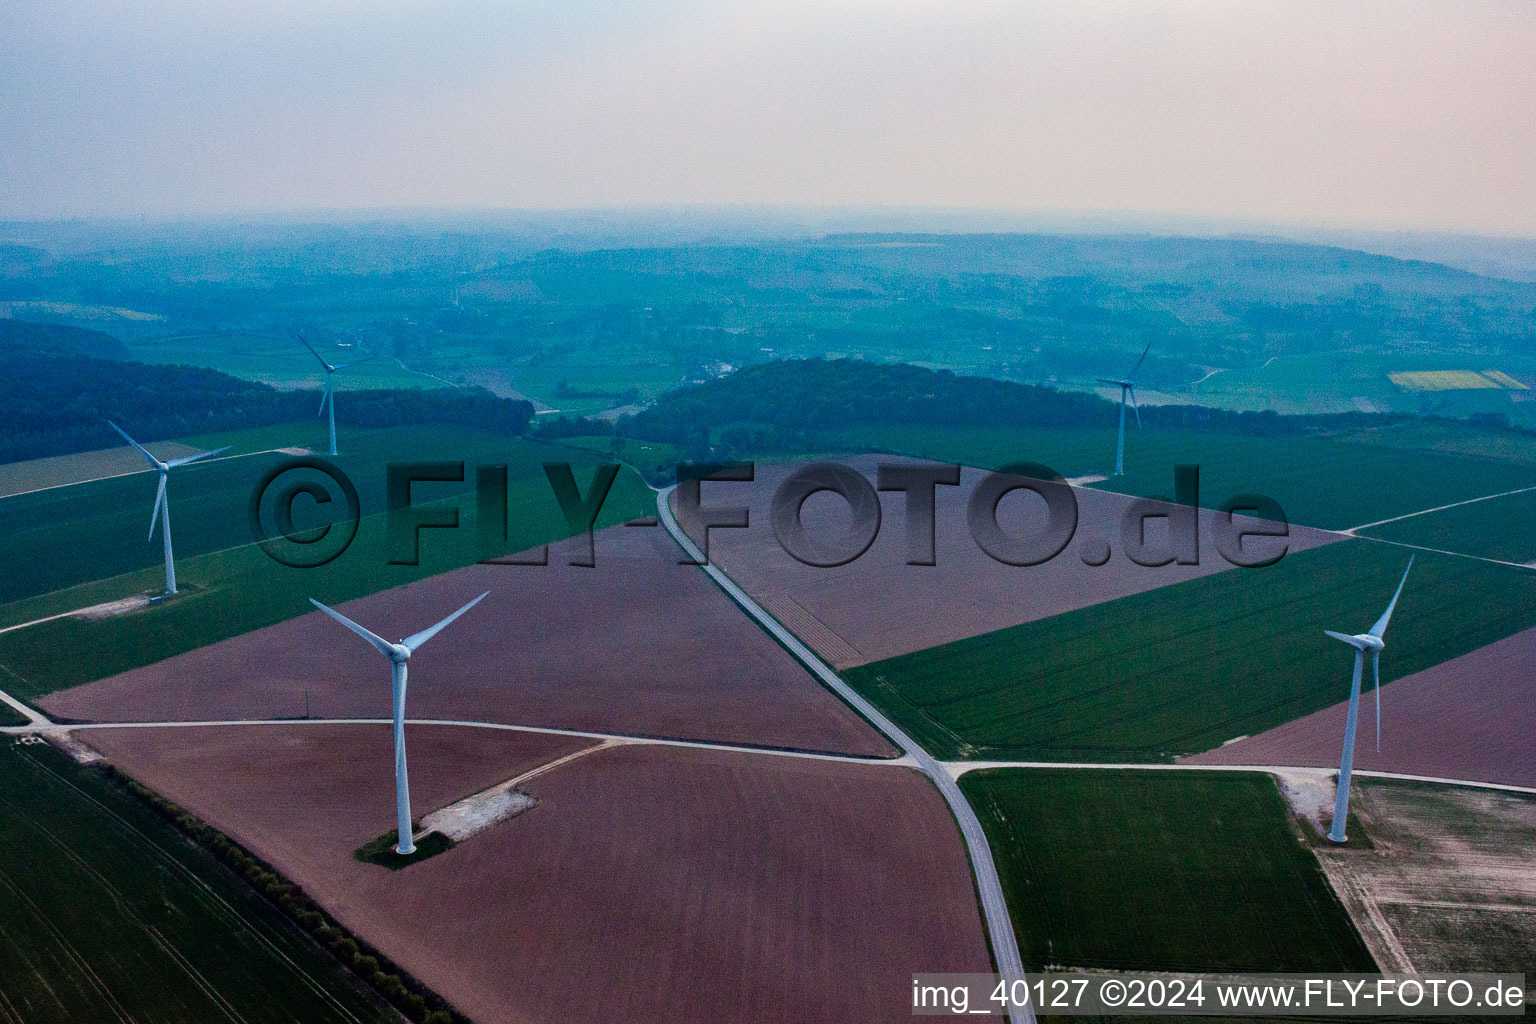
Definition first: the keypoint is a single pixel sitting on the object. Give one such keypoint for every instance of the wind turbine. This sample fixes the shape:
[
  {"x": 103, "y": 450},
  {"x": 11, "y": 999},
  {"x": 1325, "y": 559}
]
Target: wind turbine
[
  {"x": 162, "y": 509},
  {"x": 329, "y": 398},
  {"x": 1361, "y": 642},
  {"x": 398, "y": 654},
  {"x": 1127, "y": 386}
]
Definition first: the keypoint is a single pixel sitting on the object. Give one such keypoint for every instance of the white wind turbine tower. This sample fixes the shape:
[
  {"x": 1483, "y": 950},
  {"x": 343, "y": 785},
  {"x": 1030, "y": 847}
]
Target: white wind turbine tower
[
  {"x": 162, "y": 509},
  {"x": 329, "y": 398},
  {"x": 1361, "y": 642},
  {"x": 398, "y": 654},
  {"x": 1127, "y": 386}
]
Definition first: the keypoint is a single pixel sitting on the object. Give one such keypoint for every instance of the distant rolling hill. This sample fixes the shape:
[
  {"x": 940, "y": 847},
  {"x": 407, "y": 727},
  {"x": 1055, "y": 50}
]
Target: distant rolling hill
[{"x": 18, "y": 335}]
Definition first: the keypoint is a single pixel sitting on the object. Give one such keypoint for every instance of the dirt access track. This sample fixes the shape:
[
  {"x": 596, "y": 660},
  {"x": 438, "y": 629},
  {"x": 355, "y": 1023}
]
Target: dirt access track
[
  {"x": 878, "y": 607},
  {"x": 649, "y": 883},
  {"x": 638, "y": 645},
  {"x": 1472, "y": 717}
]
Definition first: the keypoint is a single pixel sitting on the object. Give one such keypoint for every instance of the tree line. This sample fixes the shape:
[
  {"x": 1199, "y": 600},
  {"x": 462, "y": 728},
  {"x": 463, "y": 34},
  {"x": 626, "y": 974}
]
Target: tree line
[
  {"x": 57, "y": 401},
  {"x": 782, "y": 405}
]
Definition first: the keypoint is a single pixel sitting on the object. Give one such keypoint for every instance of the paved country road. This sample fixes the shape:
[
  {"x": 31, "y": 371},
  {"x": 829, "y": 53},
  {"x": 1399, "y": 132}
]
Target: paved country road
[
  {"x": 1005, "y": 947},
  {"x": 944, "y": 775}
]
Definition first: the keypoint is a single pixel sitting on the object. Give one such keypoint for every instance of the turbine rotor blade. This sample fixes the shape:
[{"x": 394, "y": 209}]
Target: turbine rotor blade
[
  {"x": 1376, "y": 667},
  {"x": 194, "y": 458},
  {"x": 1356, "y": 644},
  {"x": 154, "y": 514},
  {"x": 317, "y": 355},
  {"x": 1140, "y": 361},
  {"x": 365, "y": 359},
  {"x": 415, "y": 640},
  {"x": 1136, "y": 408},
  {"x": 156, "y": 463},
  {"x": 325, "y": 396},
  {"x": 1386, "y": 616},
  {"x": 1106, "y": 380},
  {"x": 381, "y": 645}
]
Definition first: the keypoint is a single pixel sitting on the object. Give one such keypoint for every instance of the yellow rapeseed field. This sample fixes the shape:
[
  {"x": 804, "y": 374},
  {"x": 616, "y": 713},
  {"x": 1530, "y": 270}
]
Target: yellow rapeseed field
[{"x": 1454, "y": 380}]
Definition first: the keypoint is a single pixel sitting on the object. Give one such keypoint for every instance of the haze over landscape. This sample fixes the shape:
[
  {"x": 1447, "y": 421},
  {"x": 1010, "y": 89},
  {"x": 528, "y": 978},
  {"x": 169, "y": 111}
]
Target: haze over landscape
[
  {"x": 1298, "y": 112},
  {"x": 854, "y": 498}
]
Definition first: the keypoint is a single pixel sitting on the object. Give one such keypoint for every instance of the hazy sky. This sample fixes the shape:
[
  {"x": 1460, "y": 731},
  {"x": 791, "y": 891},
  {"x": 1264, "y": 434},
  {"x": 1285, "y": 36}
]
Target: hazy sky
[{"x": 1334, "y": 112}]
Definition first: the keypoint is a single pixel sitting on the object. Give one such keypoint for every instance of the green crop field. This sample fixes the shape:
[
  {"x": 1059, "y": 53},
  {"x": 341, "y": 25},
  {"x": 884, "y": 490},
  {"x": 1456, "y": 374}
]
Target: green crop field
[
  {"x": 10, "y": 716},
  {"x": 110, "y": 915},
  {"x": 1326, "y": 482},
  {"x": 1345, "y": 380},
  {"x": 654, "y": 460},
  {"x": 1165, "y": 870},
  {"x": 237, "y": 588},
  {"x": 599, "y": 377},
  {"x": 601, "y": 380},
  {"x": 1184, "y": 668},
  {"x": 277, "y": 359},
  {"x": 71, "y": 535},
  {"x": 1497, "y": 528}
]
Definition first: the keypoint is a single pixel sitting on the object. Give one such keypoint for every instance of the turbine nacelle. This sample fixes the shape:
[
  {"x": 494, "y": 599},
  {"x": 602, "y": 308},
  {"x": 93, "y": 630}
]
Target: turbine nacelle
[
  {"x": 398, "y": 654},
  {"x": 328, "y": 397},
  {"x": 161, "y": 514},
  {"x": 1127, "y": 386},
  {"x": 1368, "y": 641},
  {"x": 329, "y": 369},
  {"x": 1360, "y": 641}
]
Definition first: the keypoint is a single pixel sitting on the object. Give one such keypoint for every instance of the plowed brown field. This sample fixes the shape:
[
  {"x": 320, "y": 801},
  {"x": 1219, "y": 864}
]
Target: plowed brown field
[
  {"x": 878, "y": 607},
  {"x": 638, "y": 644},
  {"x": 1468, "y": 718},
  {"x": 648, "y": 884}
]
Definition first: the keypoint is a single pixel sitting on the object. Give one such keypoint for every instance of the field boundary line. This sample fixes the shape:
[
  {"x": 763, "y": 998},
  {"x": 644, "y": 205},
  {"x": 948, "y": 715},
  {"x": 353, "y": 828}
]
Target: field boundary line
[
  {"x": 1005, "y": 946},
  {"x": 135, "y": 472},
  {"x": 959, "y": 768},
  {"x": 61, "y": 728},
  {"x": 211, "y": 552},
  {"x": 951, "y": 769},
  {"x": 1503, "y": 908},
  {"x": 1442, "y": 551},
  {"x": 1438, "y": 508},
  {"x": 199, "y": 554}
]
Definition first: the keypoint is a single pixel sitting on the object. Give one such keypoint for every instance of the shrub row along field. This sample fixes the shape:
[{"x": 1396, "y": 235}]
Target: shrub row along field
[
  {"x": 1497, "y": 528},
  {"x": 1333, "y": 483},
  {"x": 238, "y": 588},
  {"x": 1164, "y": 871},
  {"x": 407, "y": 994},
  {"x": 1189, "y": 666},
  {"x": 705, "y": 886},
  {"x": 109, "y": 915}
]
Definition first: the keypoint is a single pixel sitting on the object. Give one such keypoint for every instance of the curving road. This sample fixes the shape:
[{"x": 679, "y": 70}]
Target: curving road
[
  {"x": 1005, "y": 947},
  {"x": 943, "y": 775}
]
